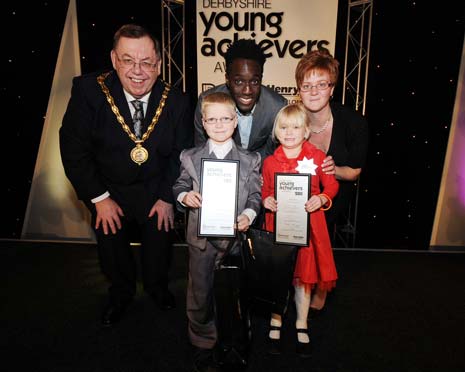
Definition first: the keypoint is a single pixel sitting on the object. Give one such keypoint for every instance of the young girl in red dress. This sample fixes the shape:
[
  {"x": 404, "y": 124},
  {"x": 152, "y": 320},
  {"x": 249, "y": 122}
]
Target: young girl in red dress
[{"x": 315, "y": 263}]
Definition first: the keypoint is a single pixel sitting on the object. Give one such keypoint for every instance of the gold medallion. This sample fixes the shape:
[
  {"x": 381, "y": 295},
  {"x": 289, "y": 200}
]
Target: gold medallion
[{"x": 139, "y": 154}]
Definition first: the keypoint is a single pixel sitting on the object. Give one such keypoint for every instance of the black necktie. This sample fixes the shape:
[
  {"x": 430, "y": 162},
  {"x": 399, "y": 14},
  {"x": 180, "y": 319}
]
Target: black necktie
[{"x": 138, "y": 117}]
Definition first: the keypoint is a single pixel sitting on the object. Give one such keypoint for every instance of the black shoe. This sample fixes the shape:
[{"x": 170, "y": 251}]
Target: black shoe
[
  {"x": 203, "y": 360},
  {"x": 314, "y": 313},
  {"x": 205, "y": 367},
  {"x": 113, "y": 313},
  {"x": 303, "y": 349},
  {"x": 164, "y": 299},
  {"x": 199, "y": 367},
  {"x": 274, "y": 344},
  {"x": 231, "y": 358}
]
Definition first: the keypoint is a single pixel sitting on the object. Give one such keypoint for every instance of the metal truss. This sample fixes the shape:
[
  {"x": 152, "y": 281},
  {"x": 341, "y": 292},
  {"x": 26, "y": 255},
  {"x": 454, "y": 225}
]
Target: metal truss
[
  {"x": 173, "y": 42},
  {"x": 357, "y": 56},
  {"x": 357, "y": 53}
]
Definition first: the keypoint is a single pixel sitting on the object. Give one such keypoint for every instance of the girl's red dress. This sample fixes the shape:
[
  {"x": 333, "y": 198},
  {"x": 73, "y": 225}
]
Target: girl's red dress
[{"x": 315, "y": 263}]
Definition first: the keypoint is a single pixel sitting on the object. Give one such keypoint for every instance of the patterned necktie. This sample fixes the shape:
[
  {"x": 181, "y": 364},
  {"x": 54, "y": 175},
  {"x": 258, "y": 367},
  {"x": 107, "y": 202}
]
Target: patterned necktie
[{"x": 138, "y": 117}]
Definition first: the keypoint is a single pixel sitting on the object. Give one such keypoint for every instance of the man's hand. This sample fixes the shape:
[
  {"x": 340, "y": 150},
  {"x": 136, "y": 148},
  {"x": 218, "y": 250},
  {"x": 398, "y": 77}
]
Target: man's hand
[
  {"x": 108, "y": 215},
  {"x": 165, "y": 213}
]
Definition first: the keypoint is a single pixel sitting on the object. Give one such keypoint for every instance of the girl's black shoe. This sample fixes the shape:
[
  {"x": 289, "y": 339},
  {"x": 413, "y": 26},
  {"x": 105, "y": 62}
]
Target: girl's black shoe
[
  {"x": 303, "y": 349},
  {"x": 274, "y": 344}
]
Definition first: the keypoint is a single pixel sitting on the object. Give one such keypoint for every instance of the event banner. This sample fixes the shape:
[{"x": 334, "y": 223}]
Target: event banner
[{"x": 285, "y": 29}]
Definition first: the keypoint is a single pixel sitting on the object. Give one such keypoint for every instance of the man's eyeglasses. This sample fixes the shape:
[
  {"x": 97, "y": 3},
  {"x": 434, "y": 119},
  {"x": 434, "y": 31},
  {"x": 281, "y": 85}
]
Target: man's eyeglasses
[
  {"x": 144, "y": 65},
  {"x": 223, "y": 120},
  {"x": 321, "y": 85}
]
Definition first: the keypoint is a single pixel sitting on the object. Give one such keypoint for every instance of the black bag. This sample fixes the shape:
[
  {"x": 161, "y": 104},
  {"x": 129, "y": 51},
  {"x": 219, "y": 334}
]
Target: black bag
[
  {"x": 232, "y": 313},
  {"x": 269, "y": 270}
]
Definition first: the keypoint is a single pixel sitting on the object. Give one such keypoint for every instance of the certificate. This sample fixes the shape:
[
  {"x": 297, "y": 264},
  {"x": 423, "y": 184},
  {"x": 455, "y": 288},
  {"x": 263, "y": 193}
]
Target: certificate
[
  {"x": 292, "y": 221},
  {"x": 219, "y": 181}
]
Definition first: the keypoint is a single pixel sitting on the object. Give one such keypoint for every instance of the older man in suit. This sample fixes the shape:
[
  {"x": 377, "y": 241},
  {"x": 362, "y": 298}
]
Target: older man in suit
[
  {"x": 120, "y": 142},
  {"x": 256, "y": 104}
]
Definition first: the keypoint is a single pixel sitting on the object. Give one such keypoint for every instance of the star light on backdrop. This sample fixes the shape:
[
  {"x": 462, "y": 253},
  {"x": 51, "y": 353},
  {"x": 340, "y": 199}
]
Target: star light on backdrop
[{"x": 415, "y": 58}]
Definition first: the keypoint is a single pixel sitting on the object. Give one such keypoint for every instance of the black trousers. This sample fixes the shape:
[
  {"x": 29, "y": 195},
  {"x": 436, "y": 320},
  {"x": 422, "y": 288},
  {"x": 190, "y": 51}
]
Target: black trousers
[{"x": 118, "y": 261}]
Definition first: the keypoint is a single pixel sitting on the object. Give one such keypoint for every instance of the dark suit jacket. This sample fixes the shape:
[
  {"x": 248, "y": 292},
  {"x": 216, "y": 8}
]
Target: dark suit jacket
[
  {"x": 95, "y": 150},
  {"x": 249, "y": 189},
  {"x": 261, "y": 136}
]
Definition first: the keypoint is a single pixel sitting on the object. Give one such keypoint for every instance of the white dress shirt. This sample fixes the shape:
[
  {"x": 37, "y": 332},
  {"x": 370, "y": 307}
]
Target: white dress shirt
[{"x": 129, "y": 98}]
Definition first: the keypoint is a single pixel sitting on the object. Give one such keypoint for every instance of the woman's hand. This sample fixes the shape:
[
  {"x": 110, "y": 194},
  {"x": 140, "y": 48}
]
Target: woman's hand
[{"x": 328, "y": 166}]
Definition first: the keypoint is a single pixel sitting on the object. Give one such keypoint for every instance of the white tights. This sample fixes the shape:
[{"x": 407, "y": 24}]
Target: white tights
[{"x": 302, "y": 304}]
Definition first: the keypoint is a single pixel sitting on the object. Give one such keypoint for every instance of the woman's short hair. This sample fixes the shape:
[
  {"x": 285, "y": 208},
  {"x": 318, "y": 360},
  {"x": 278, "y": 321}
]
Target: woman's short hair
[{"x": 317, "y": 60}]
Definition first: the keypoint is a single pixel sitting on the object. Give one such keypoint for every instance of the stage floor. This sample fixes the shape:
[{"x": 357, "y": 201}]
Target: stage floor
[{"x": 391, "y": 311}]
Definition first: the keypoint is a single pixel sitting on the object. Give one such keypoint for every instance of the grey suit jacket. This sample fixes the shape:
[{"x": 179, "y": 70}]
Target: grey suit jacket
[
  {"x": 261, "y": 136},
  {"x": 249, "y": 190}
]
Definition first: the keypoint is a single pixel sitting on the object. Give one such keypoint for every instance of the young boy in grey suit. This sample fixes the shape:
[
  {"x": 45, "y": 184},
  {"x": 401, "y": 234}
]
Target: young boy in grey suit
[{"x": 219, "y": 119}]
